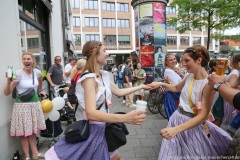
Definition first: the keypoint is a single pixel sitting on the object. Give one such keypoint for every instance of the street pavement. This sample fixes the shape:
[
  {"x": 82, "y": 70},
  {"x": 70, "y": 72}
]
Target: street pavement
[{"x": 143, "y": 141}]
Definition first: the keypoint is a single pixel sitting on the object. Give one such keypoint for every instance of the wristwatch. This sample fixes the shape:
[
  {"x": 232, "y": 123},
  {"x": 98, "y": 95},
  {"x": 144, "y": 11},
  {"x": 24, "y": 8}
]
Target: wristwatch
[{"x": 216, "y": 85}]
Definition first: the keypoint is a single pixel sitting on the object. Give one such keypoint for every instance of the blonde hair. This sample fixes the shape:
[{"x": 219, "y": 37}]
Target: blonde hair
[
  {"x": 236, "y": 61},
  {"x": 91, "y": 50},
  {"x": 79, "y": 67},
  {"x": 165, "y": 60},
  {"x": 30, "y": 54}
]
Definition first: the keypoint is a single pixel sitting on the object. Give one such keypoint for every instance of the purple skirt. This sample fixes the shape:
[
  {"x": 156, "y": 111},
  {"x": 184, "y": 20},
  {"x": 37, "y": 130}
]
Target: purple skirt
[
  {"x": 194, "y": 143},
  {"x": 95, "y": 148}
]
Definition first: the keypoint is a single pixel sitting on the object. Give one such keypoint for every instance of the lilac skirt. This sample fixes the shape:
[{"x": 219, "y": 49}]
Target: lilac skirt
[
  {"x": 194, "y": 143},
  {"x": 93, "y": 148}
]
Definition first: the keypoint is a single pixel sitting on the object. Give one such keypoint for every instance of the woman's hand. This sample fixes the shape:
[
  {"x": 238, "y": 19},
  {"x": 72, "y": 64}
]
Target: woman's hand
[
  {"x": 167, "y": 80},
  {"x": 214, "y": 78},
  {"x": 144, "y": 86},
  {"x": 135, "y": 117},
  {"x": 9, "y": 79},
  {"x": 168, "y": 133},
  {"x": 42, "y": 92},
  {"x": 155, "y": 85}
]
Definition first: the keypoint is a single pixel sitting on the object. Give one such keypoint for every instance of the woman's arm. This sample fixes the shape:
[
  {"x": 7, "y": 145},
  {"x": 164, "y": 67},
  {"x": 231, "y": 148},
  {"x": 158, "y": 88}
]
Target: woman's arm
[
  {"x": 9, "y": 87},
  {"x": 172, "y": 87},
  {"x": 208, "y": 95},
  {"x": 89, "y": 85},
  {"x": 125, "y": 91},
  {"x": 233, "y": 80}
]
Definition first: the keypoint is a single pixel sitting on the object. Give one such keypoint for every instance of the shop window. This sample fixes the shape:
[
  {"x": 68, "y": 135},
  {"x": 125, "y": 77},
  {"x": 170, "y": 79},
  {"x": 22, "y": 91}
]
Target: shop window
[
  {"x": 30, "y": 27},
  {"x": 33, "y": 42},
  {"x": 205, "y": 41},
  {"x": 92, "y": 37},
  {"x": 172, "y": 40},
  {"x": 90, "y": 4},
  {"x": 124, "y": 40},
  {"x": 109, "y": 40}
]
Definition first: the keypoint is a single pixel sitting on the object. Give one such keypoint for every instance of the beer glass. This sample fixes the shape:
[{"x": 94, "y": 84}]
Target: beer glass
[{"x": 221, "y": 65}]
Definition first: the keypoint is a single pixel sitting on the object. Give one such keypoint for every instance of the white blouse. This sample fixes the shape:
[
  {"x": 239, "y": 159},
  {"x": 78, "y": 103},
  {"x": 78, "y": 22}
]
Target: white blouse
[
  {"x": 172, "y": 75},
  {"x": 100, "y": 96},
  {"x": 196, "y": 93}
]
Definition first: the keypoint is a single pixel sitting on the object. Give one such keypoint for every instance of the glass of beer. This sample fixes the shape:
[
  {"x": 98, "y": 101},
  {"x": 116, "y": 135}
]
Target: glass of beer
[{"x": 221, "y": 65}]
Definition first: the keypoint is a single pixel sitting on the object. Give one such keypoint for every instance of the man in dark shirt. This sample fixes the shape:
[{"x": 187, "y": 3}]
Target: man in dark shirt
[{"x": 127, "y": 82}]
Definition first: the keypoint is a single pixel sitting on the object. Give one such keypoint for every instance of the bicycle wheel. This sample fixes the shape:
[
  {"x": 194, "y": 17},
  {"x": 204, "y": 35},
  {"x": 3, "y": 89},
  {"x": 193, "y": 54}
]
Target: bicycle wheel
[
  {"x": 152, "y": 103},
  {"x": 161, "y": 108}
]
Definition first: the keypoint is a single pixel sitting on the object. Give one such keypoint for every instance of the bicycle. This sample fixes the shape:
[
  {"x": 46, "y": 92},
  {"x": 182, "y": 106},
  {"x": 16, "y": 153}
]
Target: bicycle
[{"x": 155, "y": 101}]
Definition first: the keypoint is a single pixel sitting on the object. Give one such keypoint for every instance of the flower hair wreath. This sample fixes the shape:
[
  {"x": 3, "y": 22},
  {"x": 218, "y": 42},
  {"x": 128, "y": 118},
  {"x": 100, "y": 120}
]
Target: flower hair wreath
[{"x": 90, "y": 51}]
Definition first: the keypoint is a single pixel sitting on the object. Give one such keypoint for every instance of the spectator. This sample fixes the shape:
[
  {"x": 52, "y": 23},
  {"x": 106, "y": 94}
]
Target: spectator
[
  {"x": 67, "y": 71},
  {"x": 27, "y": 116},
  {"x": 92, "y": 90},
  {"x": 188, "y": 131},
  {"x": 140, "y": 75},
  {"x": 127, "y": 82},
  {"x": 55, "y": 75},
  {"x": 114, "y": 73}
]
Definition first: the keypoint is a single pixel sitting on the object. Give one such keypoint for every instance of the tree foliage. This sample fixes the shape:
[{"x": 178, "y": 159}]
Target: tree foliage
[{"x": 206, "y": 14}]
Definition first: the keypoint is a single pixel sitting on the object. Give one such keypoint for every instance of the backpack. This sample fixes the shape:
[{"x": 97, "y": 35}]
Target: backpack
[
  {"x": 71, "y": 92},
  {"x": 120, "y": 76}
]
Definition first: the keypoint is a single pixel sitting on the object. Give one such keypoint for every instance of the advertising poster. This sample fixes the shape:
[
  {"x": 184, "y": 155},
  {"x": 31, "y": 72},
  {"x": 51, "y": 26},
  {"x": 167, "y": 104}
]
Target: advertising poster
[
  {"x": 146, "y": 14},
  {"x": 147, "y": 59},
  {"x": 137, "y": 36},
  {"x": 159, "y": 34},
  {"x": 159, "y": 56},
  {"x": 146, "y": 35},
  {"x": 159, "y": 74},
  {"x": 149, "y": 74},
  {"x": 159, "y": 13},
  {"x": 147, "y": 49}
]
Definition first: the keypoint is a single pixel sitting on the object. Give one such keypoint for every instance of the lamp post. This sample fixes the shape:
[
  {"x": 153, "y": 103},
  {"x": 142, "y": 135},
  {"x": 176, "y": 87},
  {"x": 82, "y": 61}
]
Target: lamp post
[{"x": 150, "y": 32}]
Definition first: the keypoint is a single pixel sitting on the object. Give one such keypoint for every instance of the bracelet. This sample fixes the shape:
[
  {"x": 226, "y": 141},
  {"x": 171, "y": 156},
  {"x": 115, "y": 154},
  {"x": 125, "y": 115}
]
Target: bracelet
[{"x": 40, "y": 90}]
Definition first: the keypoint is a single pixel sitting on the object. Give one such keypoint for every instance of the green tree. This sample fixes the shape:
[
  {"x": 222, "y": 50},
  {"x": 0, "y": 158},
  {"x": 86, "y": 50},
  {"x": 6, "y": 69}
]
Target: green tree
[{"x": 206, "y": 14}]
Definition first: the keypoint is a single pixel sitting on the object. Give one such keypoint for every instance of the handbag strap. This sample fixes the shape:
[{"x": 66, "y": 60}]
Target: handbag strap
[
  {"x": 33, "y": 77},
  {"x": 106, "y": 105}
]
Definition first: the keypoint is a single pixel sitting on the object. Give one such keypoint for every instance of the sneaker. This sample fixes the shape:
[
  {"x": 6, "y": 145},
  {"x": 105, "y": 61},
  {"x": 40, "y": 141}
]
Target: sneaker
[
  {"x": 133, "y": 105},
  {"x": 124, "y": 101}
]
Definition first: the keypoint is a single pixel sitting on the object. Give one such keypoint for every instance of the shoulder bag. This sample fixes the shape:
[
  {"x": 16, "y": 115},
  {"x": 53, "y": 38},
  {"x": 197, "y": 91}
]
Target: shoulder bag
[
  {"x": 115, "y": 133},
  {"x": 28, "y": 94}
]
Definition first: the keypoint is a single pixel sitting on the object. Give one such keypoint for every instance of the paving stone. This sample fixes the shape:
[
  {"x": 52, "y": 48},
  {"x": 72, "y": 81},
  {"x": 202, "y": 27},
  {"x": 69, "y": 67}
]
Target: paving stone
[
  {"x": 144, "y": 131},
  {"x": 133, "y": 143},
  {"x": 149, "y": 142},
  {"x": 144, "y": 152}
]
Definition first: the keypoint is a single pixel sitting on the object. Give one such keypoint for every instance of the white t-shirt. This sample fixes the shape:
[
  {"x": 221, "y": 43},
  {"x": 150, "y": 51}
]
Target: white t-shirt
[
  {"x": 236, "y": 72},
  {"x": 68, "y": 68},
  {"x": 25, "y": 81},
  {"x": 172, "y": 75}
]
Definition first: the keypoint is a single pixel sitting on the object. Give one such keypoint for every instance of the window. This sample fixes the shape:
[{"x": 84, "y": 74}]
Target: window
[
  {"x": 205, "y": 41},
  {"x": 196, "y": 40},
  {"x": 32, "y": 42},
  {"x": 123, "y": 23},
  {"x": 76, "y": 3},
  {"x": 184, "y": 40},
  {"x": 90, "y": 4},
  {"x": 108, "y": 6},
  {"x": 92, "y": 37},
  {"x": 77, "y": 39},
  {"x": 124, "y": 40},
  {"x": 76, "y": 21},
  {"x": 109, "y": 40},
  {"x": 91, "y": 22},
  {"x": 109, "y": 23},
  {"x": 171, "y": 27},
  {"x": 171, "y": 10},
  {"x": 122, "y": 7},
  {"x": 184, "y": 24},
  {"x": 171, "y": 40},
  {"x": 30, "y": 27}
]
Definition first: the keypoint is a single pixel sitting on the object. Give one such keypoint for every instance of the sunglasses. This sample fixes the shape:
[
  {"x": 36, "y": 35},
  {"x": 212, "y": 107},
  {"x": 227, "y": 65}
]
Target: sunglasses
[{"x": 58, "y": 59}]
